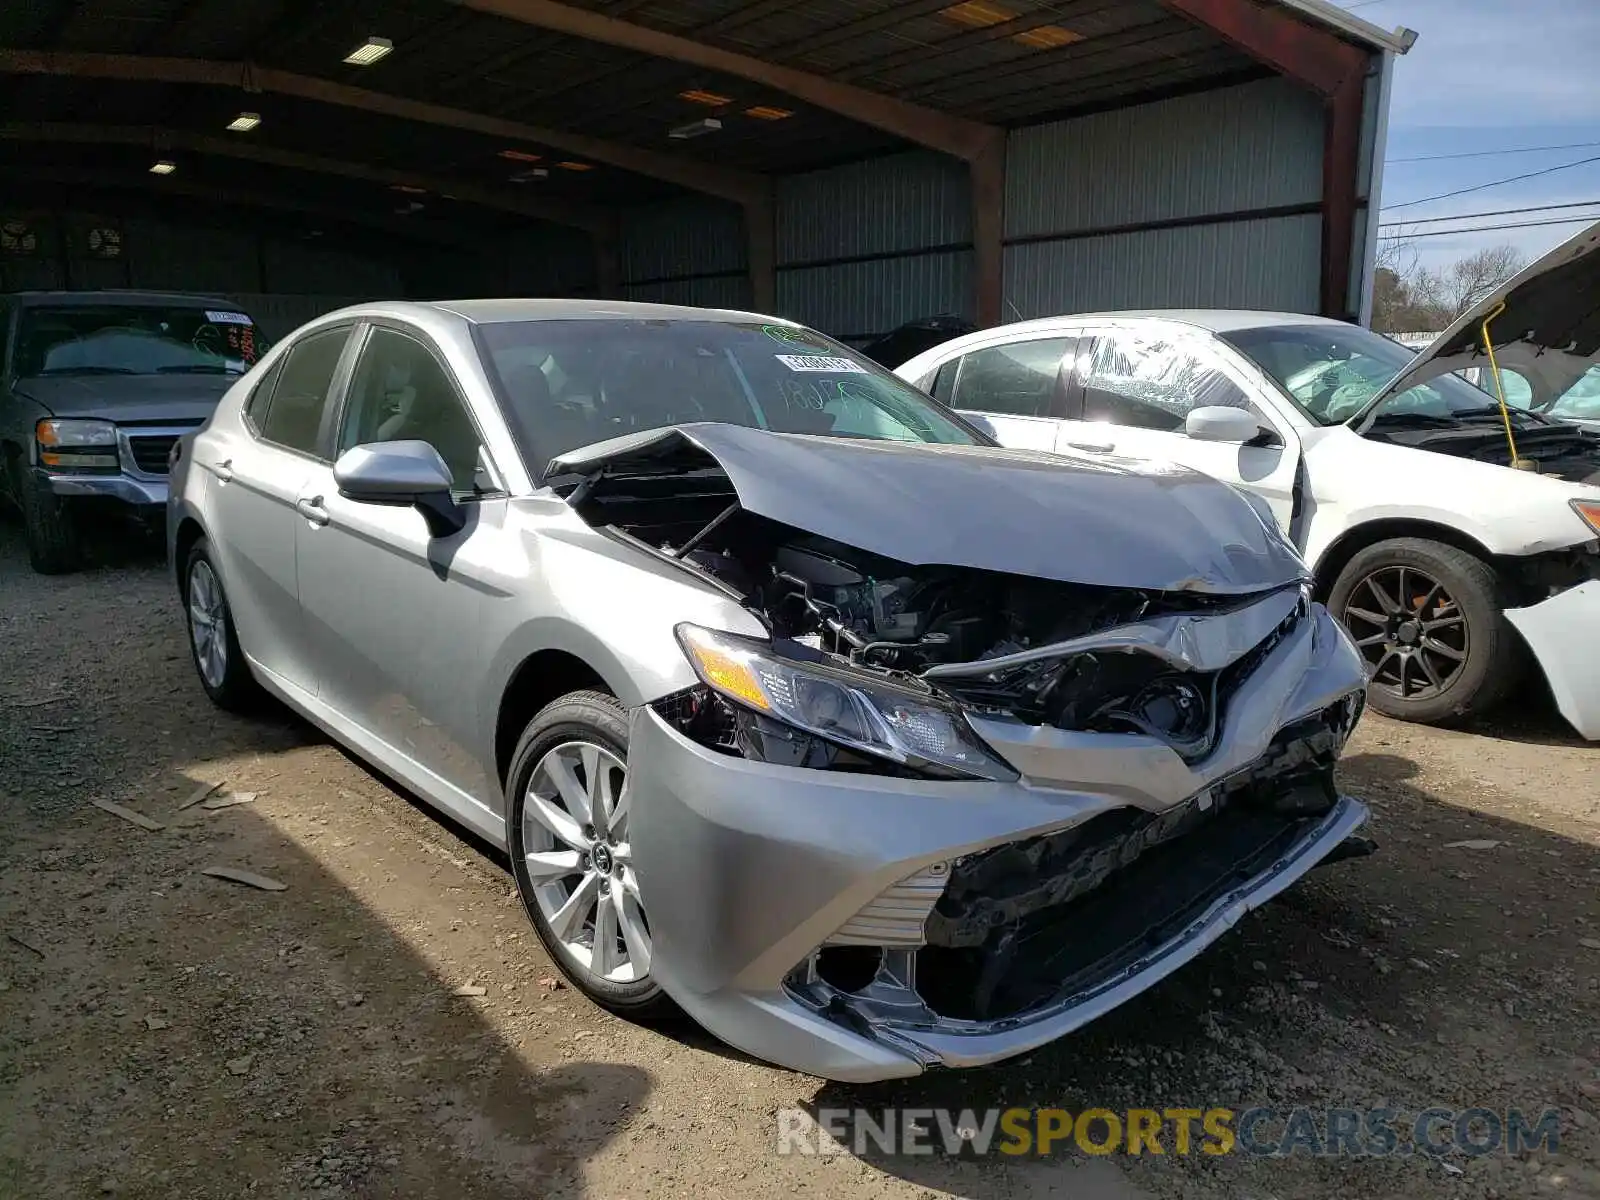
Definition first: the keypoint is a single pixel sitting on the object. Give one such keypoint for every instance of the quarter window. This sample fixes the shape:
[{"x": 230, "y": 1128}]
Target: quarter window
[
  {"x": 400, "y": 392},
  {"x": 1149, "y": 381},
  {"x": 1021, "y": 379},
  {"x": 294, "y": 411}
]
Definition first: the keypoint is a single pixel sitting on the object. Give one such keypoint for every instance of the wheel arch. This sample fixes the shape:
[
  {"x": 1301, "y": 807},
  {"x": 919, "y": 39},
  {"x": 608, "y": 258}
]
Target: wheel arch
[
  {"x": 541, "y": 677},
  {"x": 189, "y": 532},
  {"x": 1356, "y": 539}
]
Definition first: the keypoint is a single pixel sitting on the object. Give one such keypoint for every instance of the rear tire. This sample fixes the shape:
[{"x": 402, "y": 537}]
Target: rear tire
[
  {"x": 574, "y": 868},
  {"x": 1429, "y": 620},
  {"x": 48, "y": 526},
  {"x": 213, "y": 644}
]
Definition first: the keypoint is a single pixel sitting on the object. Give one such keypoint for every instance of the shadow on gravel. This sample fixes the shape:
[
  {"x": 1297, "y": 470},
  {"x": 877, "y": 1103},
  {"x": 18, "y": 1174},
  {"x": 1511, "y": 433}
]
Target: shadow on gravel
[
  {"x": 1430, "y": 974},
  {"x": 166, "y": 1034}
]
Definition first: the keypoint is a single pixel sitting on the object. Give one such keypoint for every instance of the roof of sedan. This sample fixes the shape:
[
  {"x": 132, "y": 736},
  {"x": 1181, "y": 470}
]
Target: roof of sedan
[
  {"x": 1217, "y": 320},
  {"x": 493, "y": 312}
]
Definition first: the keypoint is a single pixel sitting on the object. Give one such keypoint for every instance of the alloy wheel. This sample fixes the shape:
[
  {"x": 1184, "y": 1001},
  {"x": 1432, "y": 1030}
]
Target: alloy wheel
[
  {"x": 580, "y": 863},
  {"x": 208, "y": 624},
  {"x": 1410, "y": 630}
]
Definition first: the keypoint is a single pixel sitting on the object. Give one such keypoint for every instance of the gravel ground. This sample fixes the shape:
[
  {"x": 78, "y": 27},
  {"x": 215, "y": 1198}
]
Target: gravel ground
[{"x": 388, "y": 1026}]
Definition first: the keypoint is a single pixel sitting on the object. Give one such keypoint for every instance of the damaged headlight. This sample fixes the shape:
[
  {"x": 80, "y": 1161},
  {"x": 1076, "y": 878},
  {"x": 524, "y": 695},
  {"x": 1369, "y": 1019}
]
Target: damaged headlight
[{"x": 868, "y": 715}]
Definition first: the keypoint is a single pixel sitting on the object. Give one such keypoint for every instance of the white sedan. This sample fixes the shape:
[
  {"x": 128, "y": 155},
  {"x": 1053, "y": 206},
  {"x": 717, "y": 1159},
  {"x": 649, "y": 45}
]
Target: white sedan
[{"x": 1390, "y": 473}]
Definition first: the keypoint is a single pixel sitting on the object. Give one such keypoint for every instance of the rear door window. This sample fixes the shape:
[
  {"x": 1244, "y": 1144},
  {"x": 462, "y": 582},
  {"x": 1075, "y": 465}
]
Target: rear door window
[
  {"x": 1020, "y": 379},
  {"x": 294, "y": 413}
]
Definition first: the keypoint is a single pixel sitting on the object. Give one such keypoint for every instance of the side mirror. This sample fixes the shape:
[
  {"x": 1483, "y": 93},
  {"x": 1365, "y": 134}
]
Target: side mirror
[
  {"x": 1218, "y": 423},
  {"x": 404, "y": 475}
]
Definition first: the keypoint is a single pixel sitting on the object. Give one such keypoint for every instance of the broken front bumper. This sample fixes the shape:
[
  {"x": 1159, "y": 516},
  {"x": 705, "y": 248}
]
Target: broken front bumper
[
  {"x": 1556, "y": 630},
  {"x": 747, "y": 870}
]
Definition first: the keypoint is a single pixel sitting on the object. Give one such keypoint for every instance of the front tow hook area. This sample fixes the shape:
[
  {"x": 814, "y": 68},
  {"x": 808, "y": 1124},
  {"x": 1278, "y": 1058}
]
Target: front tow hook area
[{"x": 1354, "y": 846}]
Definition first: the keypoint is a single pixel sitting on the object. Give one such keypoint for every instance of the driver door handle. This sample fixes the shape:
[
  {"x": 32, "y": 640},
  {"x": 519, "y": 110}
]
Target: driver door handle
[
  {"x": 1094, "y": 447},
  {"x": 312, "y": 510},
  {"x": 223, "y": 470}
]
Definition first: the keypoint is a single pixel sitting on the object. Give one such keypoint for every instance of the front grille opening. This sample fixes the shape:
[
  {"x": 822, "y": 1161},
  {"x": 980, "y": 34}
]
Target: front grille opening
[
  {"x": 1060, "y": 950},
  {"x": 1022, "y": 925},
  {"x": 150, "y": 452},
  {"x": 849, "y": 968}
]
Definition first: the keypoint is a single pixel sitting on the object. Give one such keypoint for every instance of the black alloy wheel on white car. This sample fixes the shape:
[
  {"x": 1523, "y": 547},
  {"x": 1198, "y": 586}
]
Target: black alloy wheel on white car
[
  {"x": 1428, "y": 619},
  {"x": 571, "y": 855}
]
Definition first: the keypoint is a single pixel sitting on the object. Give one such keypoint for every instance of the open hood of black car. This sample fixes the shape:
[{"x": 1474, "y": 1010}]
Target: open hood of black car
[
  {"x": 1549, "y": 328},
  {"x": 1113, "y": 523}
]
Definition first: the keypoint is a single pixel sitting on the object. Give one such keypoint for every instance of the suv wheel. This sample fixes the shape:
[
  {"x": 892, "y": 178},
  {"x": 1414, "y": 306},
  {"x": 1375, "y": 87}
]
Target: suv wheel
[
  {"x": 223, "y": 671},
  {"x": 48, "y": 526},
  {"x": 571, "y": 855},
  {"x": 1428, "y": 619}
]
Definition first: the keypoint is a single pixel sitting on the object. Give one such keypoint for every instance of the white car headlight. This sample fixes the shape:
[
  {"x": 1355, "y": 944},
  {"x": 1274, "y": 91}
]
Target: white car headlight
[{"x": 872, "y": 716}]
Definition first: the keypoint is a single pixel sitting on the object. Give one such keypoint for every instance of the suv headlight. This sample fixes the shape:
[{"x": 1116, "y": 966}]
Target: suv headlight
[
  {"x": 68, "y": 444},
  {"x": 872, "y": 716}
]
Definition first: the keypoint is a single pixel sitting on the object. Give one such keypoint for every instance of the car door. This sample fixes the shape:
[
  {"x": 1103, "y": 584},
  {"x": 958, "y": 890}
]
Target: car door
[
  {"x": 255, "y": 476},
  {"x": 1014, "y": 390},
  {"x": 1137, "y": 386},
  {"x": 393, "y": 612}
]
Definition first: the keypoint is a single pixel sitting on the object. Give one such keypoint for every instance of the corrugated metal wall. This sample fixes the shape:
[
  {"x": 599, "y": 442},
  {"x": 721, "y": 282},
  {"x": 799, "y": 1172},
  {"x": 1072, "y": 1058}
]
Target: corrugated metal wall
[
  {"x": 1225, "y": 185},
  {"x": 690, "y": 251},
  {"x": 865, "y": 247}
]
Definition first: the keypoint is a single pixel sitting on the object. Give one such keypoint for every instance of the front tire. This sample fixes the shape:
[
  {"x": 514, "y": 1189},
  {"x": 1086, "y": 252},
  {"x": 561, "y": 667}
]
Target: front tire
[
  {"x": 571, "y": 856},
  {"x": 48, "y": 526},
  {"x": 213, "y": 643},
  {"x": 1429, "y": 620}
]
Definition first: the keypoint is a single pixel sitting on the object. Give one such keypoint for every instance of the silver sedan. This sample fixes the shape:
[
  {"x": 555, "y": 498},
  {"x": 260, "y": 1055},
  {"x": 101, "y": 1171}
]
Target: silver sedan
[{"x": 794, "y": 701}]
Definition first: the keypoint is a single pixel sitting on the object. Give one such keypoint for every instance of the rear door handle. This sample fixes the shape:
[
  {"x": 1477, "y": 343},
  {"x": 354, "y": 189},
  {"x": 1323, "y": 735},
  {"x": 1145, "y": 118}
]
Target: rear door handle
[
  {"x": 223, "y": 470},
  {"x": 1094, "y": 447},
  {"x": 312, "y": 510}
]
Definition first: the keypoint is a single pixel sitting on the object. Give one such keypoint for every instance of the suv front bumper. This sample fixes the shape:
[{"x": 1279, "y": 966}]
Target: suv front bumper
[{"x": 140, "y": 492}]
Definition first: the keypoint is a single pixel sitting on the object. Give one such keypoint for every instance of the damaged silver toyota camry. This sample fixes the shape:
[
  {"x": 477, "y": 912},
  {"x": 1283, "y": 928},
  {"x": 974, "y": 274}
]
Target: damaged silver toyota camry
[{"x": 795, "y": 702}]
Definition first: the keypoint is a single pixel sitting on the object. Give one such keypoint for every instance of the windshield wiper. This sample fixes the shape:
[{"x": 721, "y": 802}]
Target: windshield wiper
[
  {"x": 197, "y": 369},
  {"x": 1412, "y": 418},
  {"x": 88, "y": 371}
]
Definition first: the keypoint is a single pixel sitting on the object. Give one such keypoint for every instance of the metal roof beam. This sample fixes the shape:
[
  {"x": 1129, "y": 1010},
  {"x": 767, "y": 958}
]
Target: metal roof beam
[
  {"x": 158, "y": 140},
  {"x": 739, "y": 186},
  {"x": 958, "y": 136},
  {"x": 250, "y": 198}
]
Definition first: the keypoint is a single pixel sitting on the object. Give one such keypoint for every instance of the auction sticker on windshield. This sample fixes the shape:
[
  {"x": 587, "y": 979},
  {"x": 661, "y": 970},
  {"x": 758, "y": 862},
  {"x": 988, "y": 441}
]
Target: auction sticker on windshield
[
  {"x": 228, "y": 318},
  {"x": 815, "y": 362}
]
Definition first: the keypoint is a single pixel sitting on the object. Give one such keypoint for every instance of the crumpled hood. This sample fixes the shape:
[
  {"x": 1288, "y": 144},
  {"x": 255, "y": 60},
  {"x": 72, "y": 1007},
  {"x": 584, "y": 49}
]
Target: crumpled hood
[
  {"x": 1112, "y": 523},
  {"x": 1550, "y": 327},
  {"x": 128, "y": 398}
]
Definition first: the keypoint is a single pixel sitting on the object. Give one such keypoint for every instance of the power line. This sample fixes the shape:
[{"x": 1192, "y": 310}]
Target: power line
[
  {"x": 1496, "y": 153},
  {"x": 1494, "y": 183},
  {"x": 1497, "y": 212},
  {"x": 1426, "y": 233}
]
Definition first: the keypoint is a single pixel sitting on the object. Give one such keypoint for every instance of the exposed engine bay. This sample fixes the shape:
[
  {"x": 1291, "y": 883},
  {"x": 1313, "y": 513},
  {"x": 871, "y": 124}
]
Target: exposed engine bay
[
  {"x": 829, "y": 602},
  {"x": 1557, "y": 450}
]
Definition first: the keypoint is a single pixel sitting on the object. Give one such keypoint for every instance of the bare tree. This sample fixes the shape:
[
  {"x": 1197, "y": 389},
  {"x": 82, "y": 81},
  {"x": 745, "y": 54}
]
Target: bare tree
[{"x": 1410, "y": 298}]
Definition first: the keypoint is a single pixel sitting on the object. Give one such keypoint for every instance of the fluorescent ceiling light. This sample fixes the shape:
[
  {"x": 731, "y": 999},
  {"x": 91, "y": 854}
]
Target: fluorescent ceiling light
[
  {"x": 408, "y": 189},
  {"x": 709, "y": 99},
  {"x": 531, "y": 174},
  {"x": 765, "y": 112},
  {"x": 244, "y": 122},
  {"x": 369, "y": 52},
  {"x": 695, "y": 128},
  {"x": 163, "y": 167}
]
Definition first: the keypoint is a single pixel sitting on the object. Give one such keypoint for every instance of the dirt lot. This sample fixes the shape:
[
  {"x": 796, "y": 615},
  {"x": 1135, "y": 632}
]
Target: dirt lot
[{"x": 165, "y": 1034}]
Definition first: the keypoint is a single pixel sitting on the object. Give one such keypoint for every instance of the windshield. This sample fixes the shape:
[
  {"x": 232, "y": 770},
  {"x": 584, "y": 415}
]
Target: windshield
[
  {"x": 572, "y": 383},
  {"x": 136, "y": 339},
  {"x": 1331, "y": 371}
]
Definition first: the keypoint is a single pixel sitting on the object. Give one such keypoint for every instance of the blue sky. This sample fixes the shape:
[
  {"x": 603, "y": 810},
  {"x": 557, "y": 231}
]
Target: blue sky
[{"x": 1496, "y": 76}]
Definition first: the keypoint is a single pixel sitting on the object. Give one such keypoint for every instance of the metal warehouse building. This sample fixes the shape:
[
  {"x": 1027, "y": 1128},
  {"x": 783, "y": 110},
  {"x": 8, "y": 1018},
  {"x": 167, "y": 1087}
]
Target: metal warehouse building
[{"x": 850, "y": 163}]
